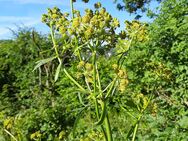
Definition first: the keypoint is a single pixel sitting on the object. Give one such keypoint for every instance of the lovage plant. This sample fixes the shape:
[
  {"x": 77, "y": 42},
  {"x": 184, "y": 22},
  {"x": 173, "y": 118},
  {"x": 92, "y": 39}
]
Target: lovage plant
[{"x": 90, "y": 37}]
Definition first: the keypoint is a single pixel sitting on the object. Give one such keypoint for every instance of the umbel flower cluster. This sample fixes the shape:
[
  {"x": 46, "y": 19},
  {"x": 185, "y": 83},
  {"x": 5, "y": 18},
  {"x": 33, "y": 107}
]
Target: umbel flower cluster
[
  {"x": 97, "y": 24},
  {"x": 93, "y": 24},
  {"x": 93, "y": 30}
]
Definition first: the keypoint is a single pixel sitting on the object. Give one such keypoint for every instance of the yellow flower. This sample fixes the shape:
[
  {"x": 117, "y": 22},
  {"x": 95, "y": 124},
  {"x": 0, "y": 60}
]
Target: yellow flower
[
  {"x": 88, "y": 67},
  {"x": 121, "y": 73},
  {"x": 8, "y": 123},
  {"x": 123, "y": 84},
  {"x": 102, "y": 11},
  {"x": 85, "y": 19},
  {"x": 81, "y": 64},
  {"x": 114, "y": 66},
  {"x": 89, "y": 32},
  {"x": 62, "y": 30},
  {"x": 116, "y": 22},
  {"x": 76, "y": 22},
  {"x": 71, "y": 31},
  {"x": 62, "y": 134},
  {"x": 55, "y": 16}
]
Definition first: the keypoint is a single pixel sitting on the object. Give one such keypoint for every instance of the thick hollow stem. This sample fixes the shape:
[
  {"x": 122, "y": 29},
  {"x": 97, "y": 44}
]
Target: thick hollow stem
[
  {"x": 72, "y": 8},
  {"x": 54, "y": 43},
  {"x": 94, "y": 73},
  {"x": 135, "y": 130},
  {"x": 108, "y": 128},
  {"x": 103, "y": 114},
  {"x": 94, "y": 90},
  {"x": 97, "y": 113}
]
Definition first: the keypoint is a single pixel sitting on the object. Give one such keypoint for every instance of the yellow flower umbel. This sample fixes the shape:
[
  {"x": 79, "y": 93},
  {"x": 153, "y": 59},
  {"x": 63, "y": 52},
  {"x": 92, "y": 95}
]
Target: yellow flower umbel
[
  {"x": 81, "y": 64},
  {"x": 123, "y": 84},
  {"x": 137, "y": 30},
  {"x": 88, "y": 67},
  {"x": 123, "y": 80},
  {"x": 93, "y": 24}
]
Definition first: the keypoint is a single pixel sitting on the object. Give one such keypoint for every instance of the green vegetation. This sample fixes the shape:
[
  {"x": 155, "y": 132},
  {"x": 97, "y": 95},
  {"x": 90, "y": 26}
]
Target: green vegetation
[{"x": 86, "y": 82}]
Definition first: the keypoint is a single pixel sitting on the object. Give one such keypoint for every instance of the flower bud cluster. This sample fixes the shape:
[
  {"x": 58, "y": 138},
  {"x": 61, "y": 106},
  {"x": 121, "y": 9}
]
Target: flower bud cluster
[
  {"x": 93, "y": 24},
  {"x": 137, "y": 29},
  {"x": 97, "y": 5},
  {"x": 122, "y": 75},
  {"x": 87, "y": 68},
  {"x": 81, "y": 65},
  {"x": 122, "y": 85},
  {"x": 123, "y": 81},
  {"x": 141, "y": 101},
  {"x": 88, "y": 72},
  {"x": 154, "y": 109},
  {"x": 122, "y": 45},
  {"x": 54, "y": 18}
]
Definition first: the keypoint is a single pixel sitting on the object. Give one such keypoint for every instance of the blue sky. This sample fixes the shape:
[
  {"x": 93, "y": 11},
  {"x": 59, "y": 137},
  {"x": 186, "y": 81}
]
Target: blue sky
[{"x": 28, "y": 13}]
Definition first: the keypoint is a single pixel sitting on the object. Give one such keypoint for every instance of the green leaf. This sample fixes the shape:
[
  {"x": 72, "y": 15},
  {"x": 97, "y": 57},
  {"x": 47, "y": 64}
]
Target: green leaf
[
  {"x": 42, "y": 62},
  {"x": 57, "y": 72},
  {"x": 183, "y": 122}
]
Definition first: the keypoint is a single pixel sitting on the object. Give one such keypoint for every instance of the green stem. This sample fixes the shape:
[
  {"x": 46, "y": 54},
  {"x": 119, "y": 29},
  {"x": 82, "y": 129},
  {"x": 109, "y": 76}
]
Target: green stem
[
  {"x": 97, "y": 108},
  {"x": 72, "y": 8},
  {"x": 54, "y": 43},
  {"x": 97, "y": 113},
  {"x": 111, "y": 87},
  {"x": 120, "y": 62},
  {"x": 135, "y": 130},
  {"x": 94, "y": 87},
  {"x": 10, "y": 134},
  {"x": 108, "y": 128},
  {"x": 94, "y": 72},
  {"x": 98, "y": 79},
  {"x": 136, "y": 127},
  {"x": 103, "y": 113},
  {"x": 77, "y": 45},
  {"x": 95, "y": 99},
  {"x": 138, "y": 120},
  {"x": 73, "y": 80}
]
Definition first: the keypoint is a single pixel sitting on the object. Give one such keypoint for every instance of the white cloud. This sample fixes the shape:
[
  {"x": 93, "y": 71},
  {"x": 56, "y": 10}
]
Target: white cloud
[
  {"x": 13, "y": 19},
  {"x": 3, "y": 31},
  {"x": 11, "y": 22}
]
